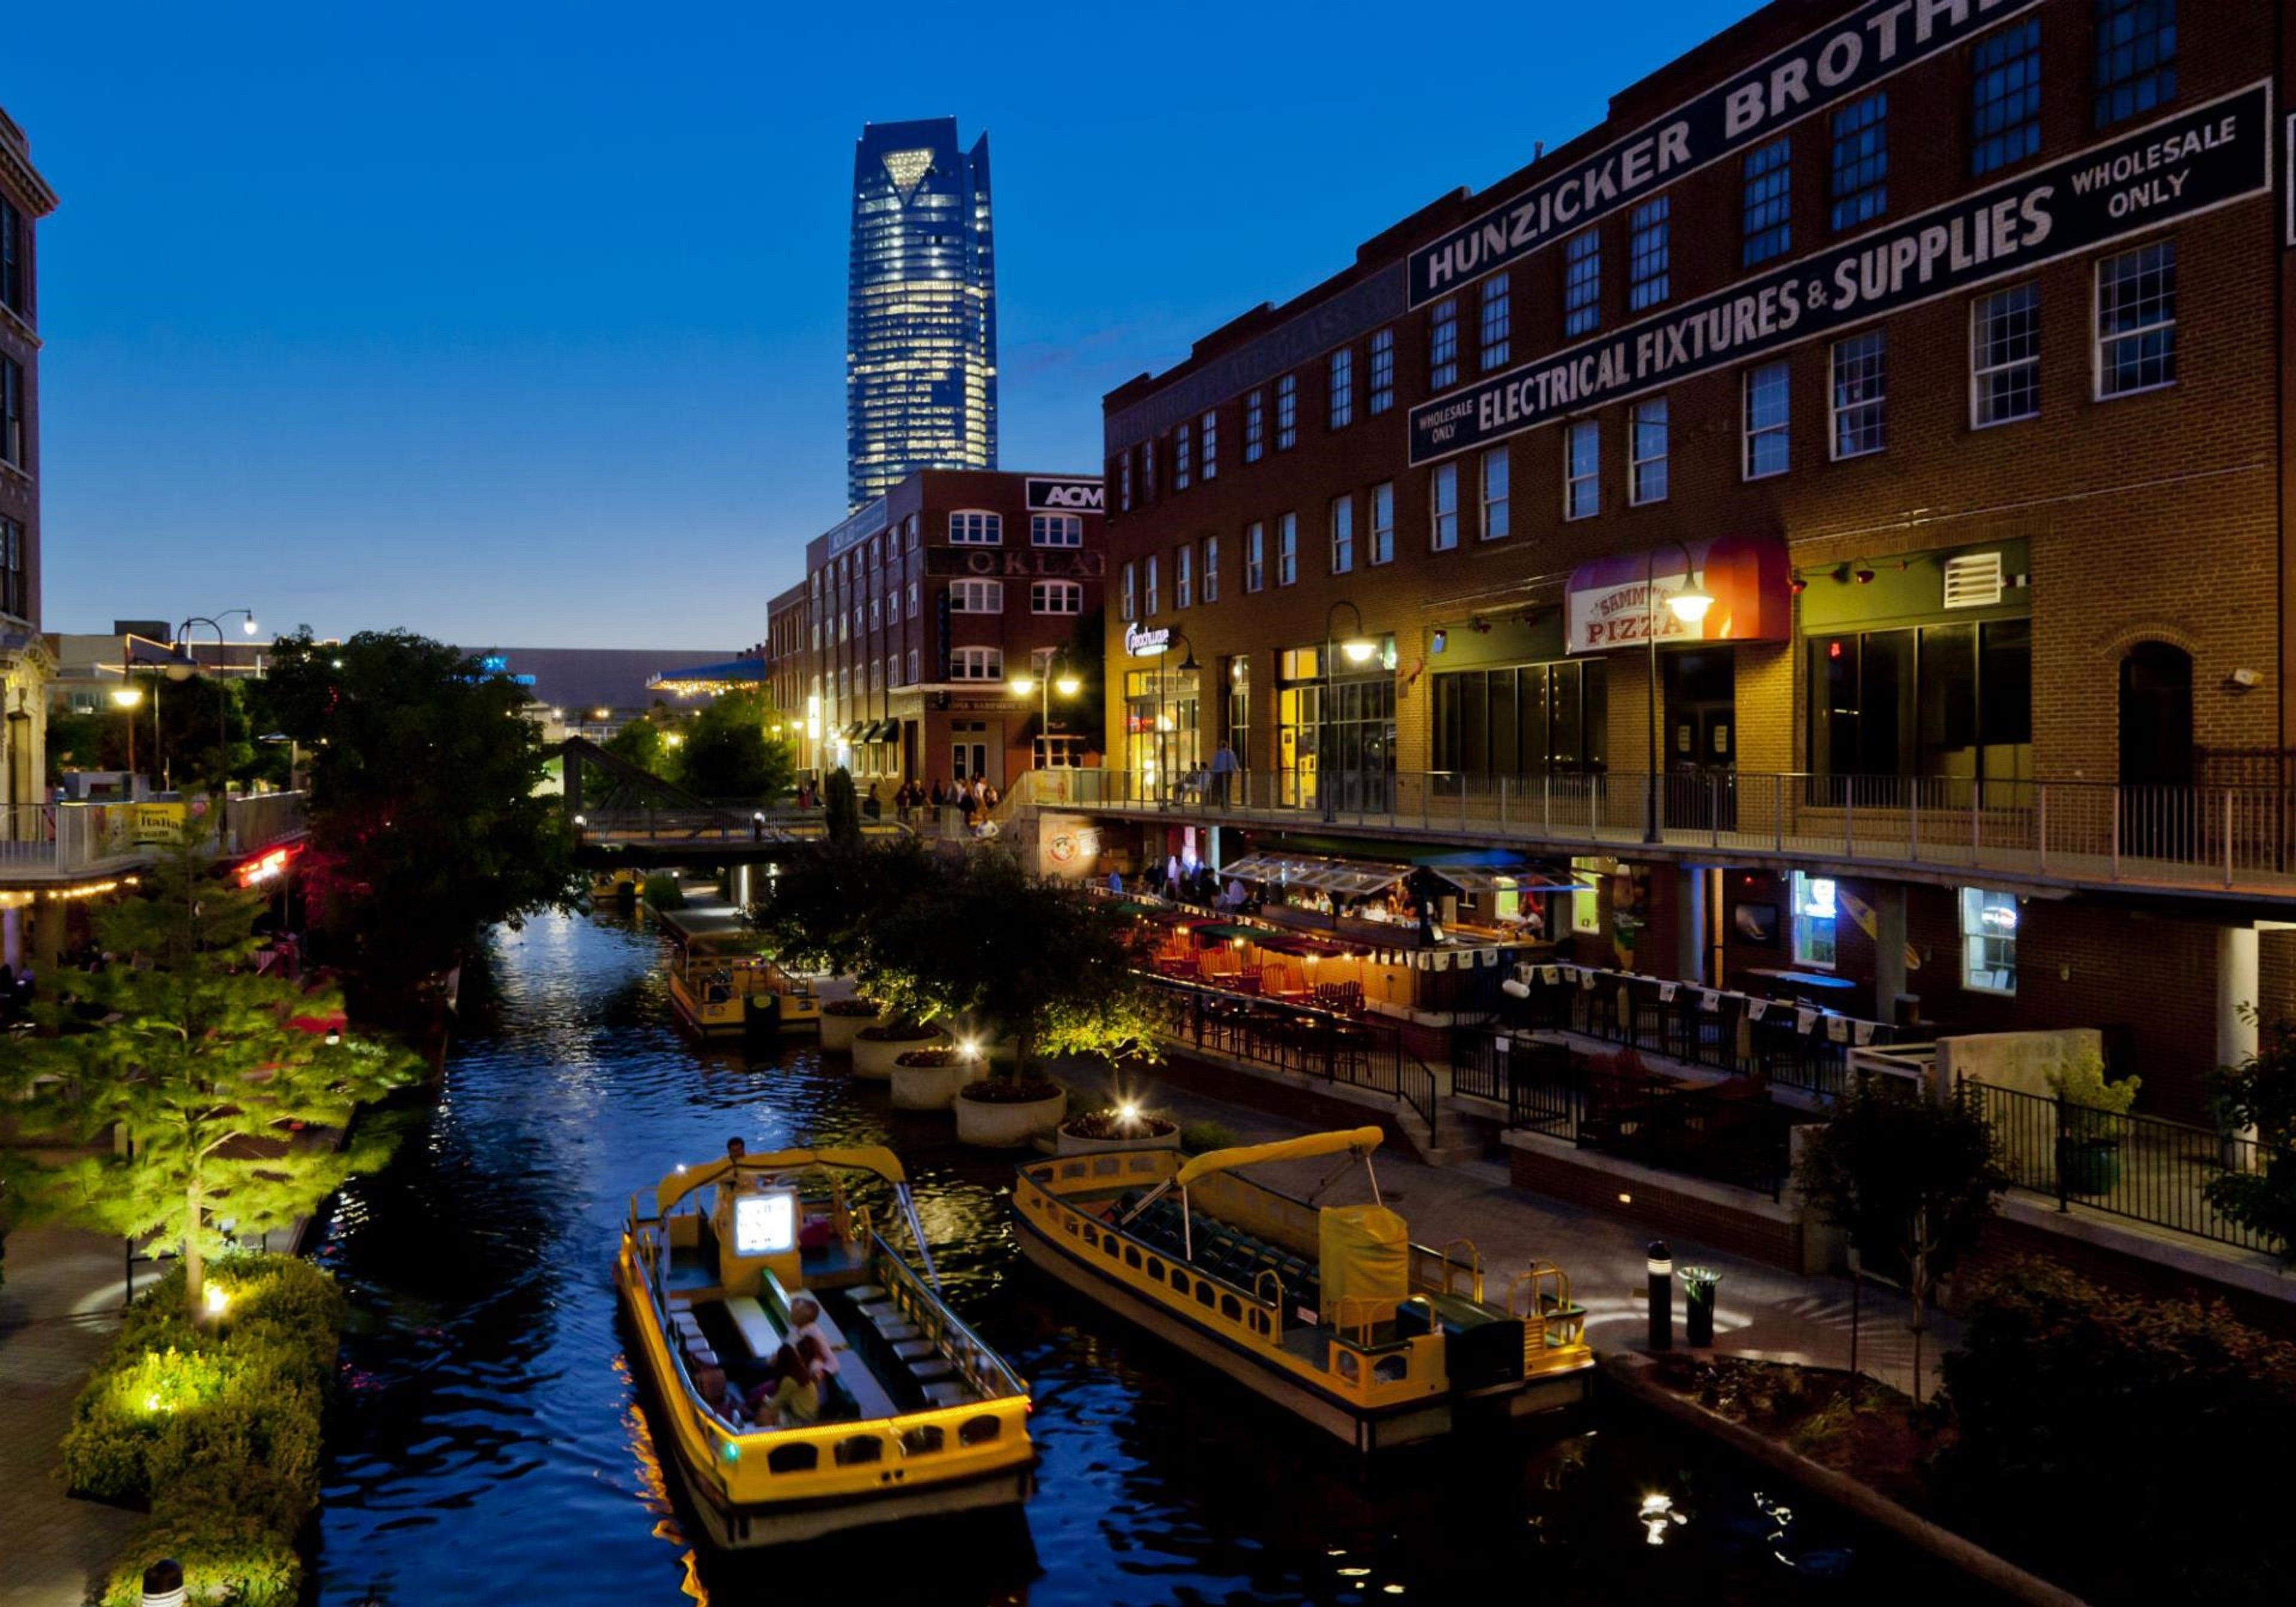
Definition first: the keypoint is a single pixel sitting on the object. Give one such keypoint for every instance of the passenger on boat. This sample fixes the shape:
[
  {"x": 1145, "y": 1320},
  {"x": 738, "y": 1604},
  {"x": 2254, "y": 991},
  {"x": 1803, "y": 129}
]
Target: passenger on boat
[
  {"x": 805, "y": 1331},
  {"x": 789, "y": 1392}
]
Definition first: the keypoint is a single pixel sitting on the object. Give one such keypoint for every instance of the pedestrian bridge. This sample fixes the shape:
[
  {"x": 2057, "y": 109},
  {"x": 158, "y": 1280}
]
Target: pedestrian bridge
[{"x": 624, "y": 814}]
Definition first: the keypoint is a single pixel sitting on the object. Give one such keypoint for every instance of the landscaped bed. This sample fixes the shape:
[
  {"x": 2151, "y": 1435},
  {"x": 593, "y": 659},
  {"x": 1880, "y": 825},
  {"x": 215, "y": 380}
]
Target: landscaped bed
[{"x": 1844, "y": 1421}]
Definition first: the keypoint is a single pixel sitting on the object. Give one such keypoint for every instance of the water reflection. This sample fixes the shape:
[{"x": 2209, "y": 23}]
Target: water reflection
[{"x": 489, "y": 1431}]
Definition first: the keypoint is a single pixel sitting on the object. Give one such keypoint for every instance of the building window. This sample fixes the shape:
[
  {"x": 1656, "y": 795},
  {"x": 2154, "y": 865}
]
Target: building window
[
  {"x": 2135, "y": 57},
  {"x": 1056, "y": 597},
  {"x": 913, "y": 601},
  {"x": 15, "y": 584},
  {"x": 1443, "y": 507},
  {"x": 1255, "y": 426},
  {"x": 2136, "y": 320},
  {"x": 1287, "y": 413},
  {"x": 1988, "y": 940},
  {"x": 1521, "y": 720},
  {"x": 976, "y": 530},
  {"x": 1815, "y": 913},
  {"x": 1861, "y": 388},
  {"x": 1767, "y": 202},
  {"x": 2005, "y": 97},
  {"x": 1496, "y": 523},
  {"x": 1766, "y": 410},
  {"x": 1582, "y": 283},
  {"x": 1443, "y": 344},
  {"x": 1183, "y": 458},
  {"x": 1211, "y": 569},
  {"x": 1124, "y": 482},
  {"x": 913, "y": 667},
  {"x": 1582, "y": 470},
  {"x": 1646, "y": 427},
  {"x": 1344, "y": 534},
  {"x": 1382, "y": 522},
  {"x": 1184, "y": 576},
  {"x": 1650, "y": 253},
  {"x": 1382, "y": 370},
  {"x": 1130, "y": 594},
  {"x": 1343, "y": 388},
  {"x": 976, "y": 597},
  {"x": 976, "y": 664},
  {"x": 1861, "y": 161},
  {"x": 876, "y": 611},
  {"x": 2005, "y": 355},
  {"x": 1239, "y": 708},
  {"x": 1948, "y": 701},
  {"x": 1255, "y": 544},
  {"x": 1150, "y": 596},
  {"x": 1496, "y": 322},
  {"x": 1055, "y": 529},
  {"x": 11, "y": 411},
  {"x": 11, "y": 259},
  {"x": 1287, "y": 548},
  {"x": 1210, "y": 432}
]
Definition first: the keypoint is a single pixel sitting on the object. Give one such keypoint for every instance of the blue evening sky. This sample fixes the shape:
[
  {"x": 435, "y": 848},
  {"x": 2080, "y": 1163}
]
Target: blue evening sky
[{"x": 524, "y": 324}]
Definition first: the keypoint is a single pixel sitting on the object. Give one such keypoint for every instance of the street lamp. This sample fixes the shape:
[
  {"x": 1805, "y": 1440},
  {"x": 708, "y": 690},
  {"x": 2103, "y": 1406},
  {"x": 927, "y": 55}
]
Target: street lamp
[
  {"x": 125, "y": 699},
  {"x": 1357, "y": 650},
  {"x": 182, "y": 644},
  {"x": 1067, "y": 684},
  {"x": 1688, "y": 605}
]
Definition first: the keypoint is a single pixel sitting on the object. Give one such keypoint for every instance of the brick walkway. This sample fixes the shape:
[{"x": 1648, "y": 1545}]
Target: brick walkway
[
  {"x": 1762, "y": 1312},
  {"x": 57, "y": 1308}
]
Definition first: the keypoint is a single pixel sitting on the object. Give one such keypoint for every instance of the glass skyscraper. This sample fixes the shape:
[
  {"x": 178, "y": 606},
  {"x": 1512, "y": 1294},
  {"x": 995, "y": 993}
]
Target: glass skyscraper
[{"x": 921, "y": 308}]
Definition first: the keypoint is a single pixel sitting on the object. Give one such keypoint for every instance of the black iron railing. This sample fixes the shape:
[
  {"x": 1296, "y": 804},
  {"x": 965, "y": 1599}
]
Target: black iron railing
[
  {"x": 2143, "y": 1167},
  {"x": 1363, "y": 1052}
]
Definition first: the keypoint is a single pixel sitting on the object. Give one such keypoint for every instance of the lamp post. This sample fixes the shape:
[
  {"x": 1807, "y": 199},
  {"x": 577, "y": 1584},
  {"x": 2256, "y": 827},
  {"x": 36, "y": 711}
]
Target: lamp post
[
  {"x": 125, "y": 699},
  {"x": 1688, "y": 605},
  {"x": 1358, "y": 650},
  {"x": 1068, "y": 685},
  {"x": 182, "y": 644}
]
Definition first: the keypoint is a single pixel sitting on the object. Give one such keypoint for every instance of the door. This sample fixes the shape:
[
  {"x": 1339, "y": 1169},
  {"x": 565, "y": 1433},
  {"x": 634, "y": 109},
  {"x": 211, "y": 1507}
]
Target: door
[
  {"x": 1700, "y": 757},
  {"x": 2160, "y": 816}
]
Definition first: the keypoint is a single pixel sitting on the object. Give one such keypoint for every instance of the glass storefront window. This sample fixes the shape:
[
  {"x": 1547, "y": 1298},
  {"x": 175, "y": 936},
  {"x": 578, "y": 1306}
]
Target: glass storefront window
[
  {"x": 1942, "y": 701},
  {"x": 1521, "y": 720},
  {"x": 1336, "y": 735},
  {"x": 1988, "y": 940},
  {"x": 1163, "y": 739}
]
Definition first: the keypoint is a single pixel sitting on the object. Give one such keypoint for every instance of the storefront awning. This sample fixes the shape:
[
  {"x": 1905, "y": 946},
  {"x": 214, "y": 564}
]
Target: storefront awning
[
  {"x": 1347, "y": 878},
  {"x": 873, "y": 732}
]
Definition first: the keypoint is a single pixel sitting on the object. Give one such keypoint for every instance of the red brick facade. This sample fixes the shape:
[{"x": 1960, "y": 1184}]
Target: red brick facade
[{"x": 25, "y": 664}]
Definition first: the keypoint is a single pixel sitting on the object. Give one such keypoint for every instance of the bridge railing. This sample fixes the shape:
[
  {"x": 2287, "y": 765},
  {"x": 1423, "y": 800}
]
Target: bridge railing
[{"x": 71, "y": 839}]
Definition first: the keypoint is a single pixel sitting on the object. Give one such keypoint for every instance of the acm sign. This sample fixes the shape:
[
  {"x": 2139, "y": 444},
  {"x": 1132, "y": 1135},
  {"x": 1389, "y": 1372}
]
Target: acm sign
[{"x": 1049, "y": 496}]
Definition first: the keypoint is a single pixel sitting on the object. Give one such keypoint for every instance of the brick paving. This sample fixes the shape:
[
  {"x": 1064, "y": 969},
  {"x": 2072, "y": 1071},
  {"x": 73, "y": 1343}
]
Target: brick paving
[{"x": 57, "y": 1308}]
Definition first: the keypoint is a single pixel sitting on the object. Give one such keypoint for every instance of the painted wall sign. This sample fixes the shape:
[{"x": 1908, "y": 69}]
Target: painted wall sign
[
  {"x": 1840, "y": 60},
  {"x": 857, "y": 527},
  {"x": 1048, "y": 496},
  {"x": 1050, "y": 563},
  {"x": 1146, "y": 642},
  {"x": 1607, "y": 603},
  {"x": 2204, "y": 158}
]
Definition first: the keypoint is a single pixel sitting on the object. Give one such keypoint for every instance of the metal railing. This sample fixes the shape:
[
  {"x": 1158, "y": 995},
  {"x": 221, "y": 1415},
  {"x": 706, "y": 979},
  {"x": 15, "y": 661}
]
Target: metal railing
[
  {"x": 2144, "y": 1167},
  {"x": 1363, "y": 1053},
  {"x": 2069, "y": 831},
  {"x": 65, "y": 838}
]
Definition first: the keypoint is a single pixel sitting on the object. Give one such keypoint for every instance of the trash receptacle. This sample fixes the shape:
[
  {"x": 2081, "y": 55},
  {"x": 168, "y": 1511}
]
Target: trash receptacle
[{"x": 1698, "y": 1285}]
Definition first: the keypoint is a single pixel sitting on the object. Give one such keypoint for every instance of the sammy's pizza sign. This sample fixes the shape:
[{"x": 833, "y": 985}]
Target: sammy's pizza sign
[{"x": 2204, "y": 158}]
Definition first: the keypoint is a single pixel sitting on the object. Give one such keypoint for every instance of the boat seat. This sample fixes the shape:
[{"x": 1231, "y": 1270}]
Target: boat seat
[
  {"x": 914, "y": 1350},
  {"x": 932, "y": 1370},
  {"x": 947, "y": 1395},
  {"x": 866, "y": 1294},
  {"x": 898, "y": 1333},
  {"x": 757, "y": 1330}
]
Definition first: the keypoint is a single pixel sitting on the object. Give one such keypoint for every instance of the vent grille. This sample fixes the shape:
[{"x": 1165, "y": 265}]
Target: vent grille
[{"x": 1972, "y": 580}]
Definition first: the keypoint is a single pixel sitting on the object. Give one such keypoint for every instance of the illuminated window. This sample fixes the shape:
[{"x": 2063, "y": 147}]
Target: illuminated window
[
  {"x": 1124, "y": 482},
  {"x": 1646, "y": 452},
  {"x": 1382, "y": 370},
  {"x": 2005, "y": 97},
  {"x": 2135, "y": 57},
  {"x": 2005, "y": 355},
  {"x": 973, "y": 529},
  {"x": 1988, "y": 940},
  {"x": 1815, "y": 912}
]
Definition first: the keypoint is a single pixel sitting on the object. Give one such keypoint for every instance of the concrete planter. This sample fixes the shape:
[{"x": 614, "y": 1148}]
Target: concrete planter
[
  {"x": 932, "y": 1088},
  {"x": 839, "y": 1031},
  {"x": 873, "y": 1058},
  {"x": 1002, "y": 1126},
  {"x": 1068, "y": 1143}
]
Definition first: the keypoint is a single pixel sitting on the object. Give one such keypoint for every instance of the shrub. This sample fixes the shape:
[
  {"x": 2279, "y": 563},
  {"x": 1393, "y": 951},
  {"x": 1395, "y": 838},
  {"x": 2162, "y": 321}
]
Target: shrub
[
  {"x": 216, "y": 1427},
  {"x": 1111, "y": 1124},
  {"x": 1201, "y": 1137},
  {"x": 2075, "y": 1404},
  {"x": 902, "y": 1032},
  {"x": 1007, "y": 1091},
  {"x": 664, "y": 892},
  {"x": 923, "y": 1060},
  {"x": 857, "y": 1007}
]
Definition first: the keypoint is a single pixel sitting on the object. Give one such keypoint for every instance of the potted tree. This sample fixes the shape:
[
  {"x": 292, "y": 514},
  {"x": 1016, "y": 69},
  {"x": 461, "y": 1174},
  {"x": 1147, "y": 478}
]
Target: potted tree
[
  {"x": 842, "y": 1020},
  {"x": 929, "y": 1080},
  {"x": 1122, "y": 1126},
  {"x": 876, "y": 1049},
  {"x": 2091, "y": 1123}
]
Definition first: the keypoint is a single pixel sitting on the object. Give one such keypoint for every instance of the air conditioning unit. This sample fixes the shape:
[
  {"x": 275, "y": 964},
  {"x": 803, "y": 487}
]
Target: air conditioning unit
[{"x": 1972, "y": 580}]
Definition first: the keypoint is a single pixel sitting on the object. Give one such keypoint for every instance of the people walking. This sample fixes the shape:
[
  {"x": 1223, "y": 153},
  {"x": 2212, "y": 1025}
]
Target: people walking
[{"x": 1224, "y": 765}]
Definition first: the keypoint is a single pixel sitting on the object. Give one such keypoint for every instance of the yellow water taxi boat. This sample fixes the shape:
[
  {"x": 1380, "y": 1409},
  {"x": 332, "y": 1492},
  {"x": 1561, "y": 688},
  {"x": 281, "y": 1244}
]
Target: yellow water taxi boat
[
  {"x": 619, "y": 886},
  {"x": 1331, "y": 1313},
  {"x": 924, "y": 1418},
  {"x": 721, "y": 984}
]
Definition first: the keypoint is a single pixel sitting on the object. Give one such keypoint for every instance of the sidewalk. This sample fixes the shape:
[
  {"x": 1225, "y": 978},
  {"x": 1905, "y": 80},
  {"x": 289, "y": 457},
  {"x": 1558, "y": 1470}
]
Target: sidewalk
[
  {"x": 59, "y": 1308},
  {"x": 1762, "y": 1312}
]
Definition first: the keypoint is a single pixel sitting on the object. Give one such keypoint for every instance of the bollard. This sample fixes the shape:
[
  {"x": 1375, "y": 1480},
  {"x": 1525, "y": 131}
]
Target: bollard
[
  {"x": 1660, "y": 1266},
  {"x": 1698, "y": 1285},
  {"x": 163, "y": 1584}
]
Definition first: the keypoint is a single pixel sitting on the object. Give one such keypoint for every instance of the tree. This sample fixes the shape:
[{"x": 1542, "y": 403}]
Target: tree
[
  {"x": 2260, "y": 1094},
  {"x": 426, "y": 820},
  {"x": 729, "y": 752},
  {"x": 217, "y": 1076},
  {"x": 841, "y": 809},
  {"x": 1907, "y": 1176}
]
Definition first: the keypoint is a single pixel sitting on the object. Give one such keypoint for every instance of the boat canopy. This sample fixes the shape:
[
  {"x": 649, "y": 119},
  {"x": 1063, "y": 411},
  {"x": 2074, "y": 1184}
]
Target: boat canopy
[
  {"x": 1361, "y": 1141},
  {"x": 868, "y": 1158}
]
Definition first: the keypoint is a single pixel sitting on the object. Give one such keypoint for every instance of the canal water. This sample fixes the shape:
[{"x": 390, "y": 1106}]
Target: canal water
[{"x": 491, "y": 1445}]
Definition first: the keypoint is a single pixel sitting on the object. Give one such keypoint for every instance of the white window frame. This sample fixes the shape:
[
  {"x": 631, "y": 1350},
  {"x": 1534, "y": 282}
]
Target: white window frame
[
  {"x": 1210, "y": 569},
  {"x": 1056, "y": 529},
  {"x": 974, "y": 595},
  {"x": 1341, "y": 523},
  {"x": 1184, "y": 576},
  {"x": 1443, "y": 507},
  {"x": 2099, "y": 340},
  {"x": 1381, "y": 346},
  {"x": 1971, "y": 906},
  {"x": 1637, "y": 463},
  {"x": 1255, "y": 557},
  {"x": 1255, "y": 426},
  {"x": 1287, "y": 549},
  {"x": 1184, "y": 456},
  {"x": 1067, "y": 593},
  {"x": 1879, "y": 403},
  {"x": 1748, "y": 434},
  {"x": 1573, "y": 481},
  {"x": 1502, "y": 501},
  {"x": 1978, "y": 373},
  {"x": 1151, "y": 595},
  {"x": 1287, "y": 412},
  {"x": 1340, "y": 376},
  {"x": 975, "y": 527},
  {"x": 1208, "y": 447},
  {"x": 1382, "y": 529},
  {"x": 964, "y": 660},
  {"x": 1129, "y": 587}
]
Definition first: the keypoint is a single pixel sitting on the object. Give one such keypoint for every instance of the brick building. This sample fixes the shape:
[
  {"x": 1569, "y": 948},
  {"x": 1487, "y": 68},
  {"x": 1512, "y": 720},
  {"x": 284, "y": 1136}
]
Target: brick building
[
  {"x": 26, "y": 663},
  {"x": 787, "y": 651},
  {"x": 1929, "y": 355},
  {"x": 920, "y": 614}
]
